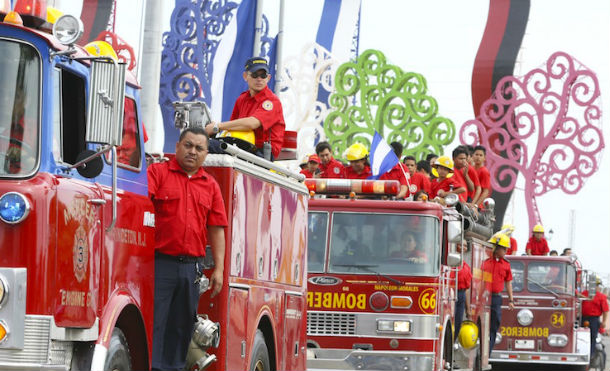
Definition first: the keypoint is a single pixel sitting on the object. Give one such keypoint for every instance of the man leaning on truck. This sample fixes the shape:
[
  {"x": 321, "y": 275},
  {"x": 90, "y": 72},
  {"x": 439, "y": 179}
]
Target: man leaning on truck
[{"x": 189, "y": 211}]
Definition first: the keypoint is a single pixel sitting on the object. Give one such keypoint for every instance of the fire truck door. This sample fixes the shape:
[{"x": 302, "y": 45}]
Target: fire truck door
[
  {"x": 80, "y": 230},
  {"x": 292, "y": 323}
]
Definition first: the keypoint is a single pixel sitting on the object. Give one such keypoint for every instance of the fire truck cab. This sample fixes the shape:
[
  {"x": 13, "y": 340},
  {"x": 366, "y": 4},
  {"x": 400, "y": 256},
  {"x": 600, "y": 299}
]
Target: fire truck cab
[
  {"x": 77, "y": 225},
  {"x": 381, "y": 286},
  {"x": 545, "y": 325}
]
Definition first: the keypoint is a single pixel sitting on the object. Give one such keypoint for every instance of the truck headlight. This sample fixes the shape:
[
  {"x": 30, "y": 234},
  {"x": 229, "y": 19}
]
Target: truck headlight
[
  {"x": 525, "y": 317},
  {"x": 557, "y": 340},
  {"x": 393, "y": 326},
  {"x": 68, "y": 29},
  {"x": 14, "y": 207}
]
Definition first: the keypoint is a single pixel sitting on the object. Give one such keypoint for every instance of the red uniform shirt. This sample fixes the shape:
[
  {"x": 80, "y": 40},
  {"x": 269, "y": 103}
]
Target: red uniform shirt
[
  {"x": 333, "y": 169},
  {"x": 307, "y": 173},
  {"x": 396, "y": 173},
  {"x": 500, "y": 273},
  {"x": 436, "y": 185},
  {"x": 538, "y": 247},
  {"x": 512, "y": 249},
  {"x": 595, "y": 307},
  {"x": 464, "y": 277},
  {"x": 183, "y": 208},
  {"x": 459, "y": 179},
  {"x": 266, "y": 107},
  {"x": 349, "y": 173},
  {"x": 421, "y": 181},
  {"x": 484, "y": 179}
]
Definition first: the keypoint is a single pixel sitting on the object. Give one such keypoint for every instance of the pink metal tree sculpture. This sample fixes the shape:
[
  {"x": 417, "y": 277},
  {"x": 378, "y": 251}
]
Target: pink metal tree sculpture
[{"x": 545, "y": 125}]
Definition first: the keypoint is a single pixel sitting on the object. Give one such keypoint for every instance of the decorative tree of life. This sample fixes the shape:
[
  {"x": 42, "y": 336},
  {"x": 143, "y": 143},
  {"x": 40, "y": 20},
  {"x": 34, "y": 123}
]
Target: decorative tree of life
[
  {"x": 372, "y": 95},
  {"x": 546, "y": 125}
]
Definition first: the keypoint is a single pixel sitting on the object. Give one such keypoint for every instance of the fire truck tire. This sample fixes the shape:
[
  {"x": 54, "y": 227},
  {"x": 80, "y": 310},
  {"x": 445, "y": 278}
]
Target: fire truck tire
[
  {"x": 478, "y": 360},
  {"x": 447, "y": 351},
  {"x": 260, "y": 354},
  {"x": 118, "y": 358}
]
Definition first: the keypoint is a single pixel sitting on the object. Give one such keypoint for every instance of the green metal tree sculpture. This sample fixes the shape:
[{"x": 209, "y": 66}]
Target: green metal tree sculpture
[{"x": 372, "y": 95}]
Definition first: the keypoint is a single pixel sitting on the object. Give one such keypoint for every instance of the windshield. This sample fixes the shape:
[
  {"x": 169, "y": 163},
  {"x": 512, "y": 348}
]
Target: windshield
[
  {"x": 384, "y": 244},
  {"x": 517, "y": 271},
  {"x": 19, "y": 97},
  {"x": 316, "y": 241},
  {"x": 550, "y": 276}
]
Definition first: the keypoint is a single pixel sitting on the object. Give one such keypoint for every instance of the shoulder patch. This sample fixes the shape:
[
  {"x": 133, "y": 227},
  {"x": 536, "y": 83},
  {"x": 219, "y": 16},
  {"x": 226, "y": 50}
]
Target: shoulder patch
[
  {"x": 412, "y": 188},
  {"x": 336, "y": 170},
  {"x": 267, "y": 105}
]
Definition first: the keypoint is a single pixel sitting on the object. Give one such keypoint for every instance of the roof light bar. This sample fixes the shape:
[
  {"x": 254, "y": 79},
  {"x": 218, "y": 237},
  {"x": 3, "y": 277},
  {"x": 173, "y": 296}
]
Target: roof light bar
[{"x": 357, "y": 186}]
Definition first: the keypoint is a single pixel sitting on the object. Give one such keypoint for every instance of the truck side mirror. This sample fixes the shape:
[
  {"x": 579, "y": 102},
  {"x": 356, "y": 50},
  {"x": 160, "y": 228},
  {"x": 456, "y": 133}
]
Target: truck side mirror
[
  {"x": 454, "y": 259},
  {"x": 92, "y": 167},
  {"x": 454, "y": 231},
  {"x": 106, "y": 100}
]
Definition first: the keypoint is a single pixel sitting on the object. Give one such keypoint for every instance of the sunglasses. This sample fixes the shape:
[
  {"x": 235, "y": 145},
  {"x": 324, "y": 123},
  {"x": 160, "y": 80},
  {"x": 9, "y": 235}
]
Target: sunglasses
[{"x": 262, "y": 75}]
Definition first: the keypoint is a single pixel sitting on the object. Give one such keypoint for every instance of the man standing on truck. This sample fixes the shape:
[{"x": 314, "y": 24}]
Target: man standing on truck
[
  {"x": 258, "y": 109},
  {"x": 189, "y": 212},
  {"x": 501, "y": 275},
  {"x": 592, "y": 310}
]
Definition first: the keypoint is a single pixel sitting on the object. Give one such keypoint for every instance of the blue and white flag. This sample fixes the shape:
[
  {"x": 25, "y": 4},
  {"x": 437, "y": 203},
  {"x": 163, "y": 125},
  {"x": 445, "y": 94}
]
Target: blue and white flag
[
  {"x": 382, "y": 157},
  {"x": 234, "y": 49}
]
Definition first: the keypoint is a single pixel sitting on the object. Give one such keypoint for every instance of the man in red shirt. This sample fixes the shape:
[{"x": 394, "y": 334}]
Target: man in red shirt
[
  {"x": 330, "y": 167},
  {"x": 466, "y": 174},
  {"x": 418, "y": 180},
  {"x": 592, "y": 310},
  {"x": 358, "y": 168},
  {"x": 537, "y": 244},
  {"x": 312, "y": 169},
  {"x": 423, "y": 168},
  {"x": 443, "y": 185},
  {"x": 256, "y": 109},
  {"x": 398, "y": 172},
  {"x": 462, "y": 305},
  {"x": 501, "y": 275},
  {"x": 479, "y": 157},
  {"x": 189, "y": 213}
]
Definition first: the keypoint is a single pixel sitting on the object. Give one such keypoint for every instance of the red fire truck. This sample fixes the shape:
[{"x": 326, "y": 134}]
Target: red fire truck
[
  {"x": 77, "y": 226},
  {"x": 380, "y": 293},
  {"x": 545, "y": 326}
]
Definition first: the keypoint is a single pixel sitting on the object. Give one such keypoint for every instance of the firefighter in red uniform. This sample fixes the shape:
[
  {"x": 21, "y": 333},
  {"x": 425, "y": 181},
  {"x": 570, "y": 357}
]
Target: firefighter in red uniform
[
  {"x": 189, "y": 213},
  {"x": 508, "y": 230},
  {"x": 478, "y": 158},
  {"x": 255, "y": 109},
  {"x": 330, "y": 167},
  {"x": 443, "y": 184},
  {"x": 312, "y": 169},
  {"x": 358, "y": 168},
  {"x": 592, "y": 310},
  {"x": 418, "y": 180},
  {"x": 501, "y": 275},
  {"x": 537, "y": 244},
  {"x": 462, "y": 305},
  {"x": 466, "y": 174}
]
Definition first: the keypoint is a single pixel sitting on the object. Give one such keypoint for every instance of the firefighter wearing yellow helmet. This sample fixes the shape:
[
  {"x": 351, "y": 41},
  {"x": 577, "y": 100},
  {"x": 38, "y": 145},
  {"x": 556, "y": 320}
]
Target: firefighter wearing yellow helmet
[
  {"x": 508, "y": 230},
  {"x": 498, "y": 269},
  {"x": 537, "y": 244},
  {"x": 444, "y": 183},
  {"x": 357, "y": 155}
]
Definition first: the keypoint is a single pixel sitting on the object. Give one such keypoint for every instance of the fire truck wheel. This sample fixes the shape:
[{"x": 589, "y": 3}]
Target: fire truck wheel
[
  {"x": 118, "y": 358},
  {"x": 260, "y": 354},
  {"x": 448, "y": 352}
]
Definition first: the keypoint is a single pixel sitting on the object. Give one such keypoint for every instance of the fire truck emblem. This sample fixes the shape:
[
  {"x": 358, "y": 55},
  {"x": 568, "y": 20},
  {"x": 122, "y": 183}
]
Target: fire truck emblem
[
  {"x": 80, "y": 256},
  {"x": 267, "y": 105}
]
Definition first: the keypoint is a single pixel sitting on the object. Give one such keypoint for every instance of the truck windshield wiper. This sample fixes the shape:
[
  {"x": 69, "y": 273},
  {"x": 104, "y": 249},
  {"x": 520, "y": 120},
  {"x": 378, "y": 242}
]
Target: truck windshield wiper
[
  {"x": 367, "y": 267},
  {"x": 542, "y": 287}
]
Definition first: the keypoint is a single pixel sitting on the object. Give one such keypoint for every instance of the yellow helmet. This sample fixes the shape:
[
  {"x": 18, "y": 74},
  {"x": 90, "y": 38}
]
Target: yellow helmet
[
  {"x": 469, "y": 334},
  {"x": 500, "y": 239},
  {"x": 356, "y": 151},
  {"x": 242, "y": 139},
  {"x": 53, "y": 14},
  {"x": 507, "y": 229},
  {"x": 444, "y": 161},
  {"x": 538, "y": 228},
  {"x": 101, "y": 48}
]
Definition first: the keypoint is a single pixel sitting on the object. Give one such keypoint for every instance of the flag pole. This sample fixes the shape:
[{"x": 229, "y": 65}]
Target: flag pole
[
  {"x": 278, "y": 51},
  {"x": 258, "y": 29}
]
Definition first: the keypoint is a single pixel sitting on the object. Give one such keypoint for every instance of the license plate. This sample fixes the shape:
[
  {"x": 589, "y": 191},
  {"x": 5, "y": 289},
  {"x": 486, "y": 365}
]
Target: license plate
[{"x": 524, "y": 344}]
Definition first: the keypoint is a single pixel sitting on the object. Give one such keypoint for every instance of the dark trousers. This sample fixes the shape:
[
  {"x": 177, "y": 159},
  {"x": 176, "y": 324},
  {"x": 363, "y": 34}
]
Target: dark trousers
[
  {"x": 496, "y": 316},
  {"x": 460, "y": 306},
  {"x": 176, "y": 299},
  {"x": 594, "y": 328}
]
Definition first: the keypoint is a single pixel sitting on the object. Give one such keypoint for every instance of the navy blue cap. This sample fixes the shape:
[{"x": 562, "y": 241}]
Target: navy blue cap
[{"x": 256, "y": 64}]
